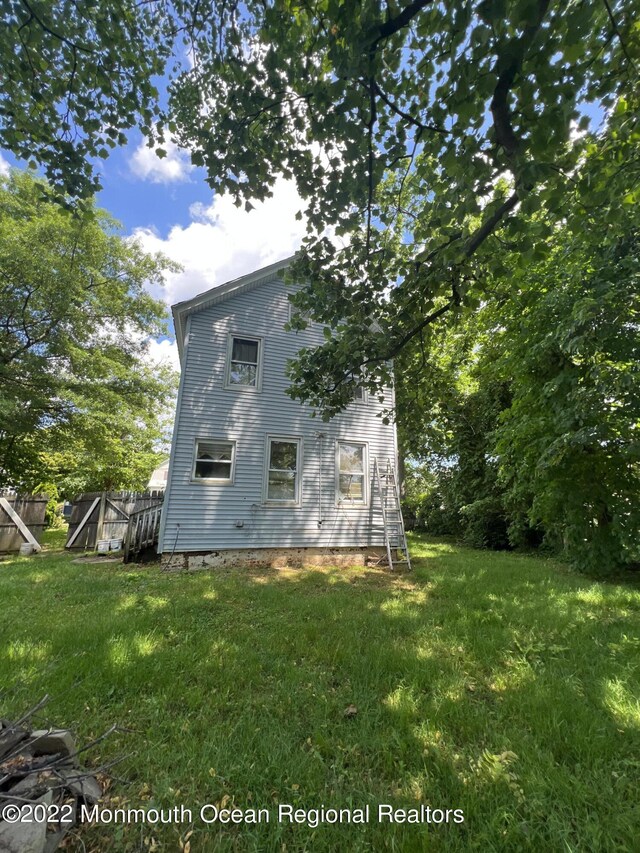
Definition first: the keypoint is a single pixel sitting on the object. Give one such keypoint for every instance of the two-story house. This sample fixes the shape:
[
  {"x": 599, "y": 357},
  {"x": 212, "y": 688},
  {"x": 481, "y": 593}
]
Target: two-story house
[{"x": 253, "y": 476}]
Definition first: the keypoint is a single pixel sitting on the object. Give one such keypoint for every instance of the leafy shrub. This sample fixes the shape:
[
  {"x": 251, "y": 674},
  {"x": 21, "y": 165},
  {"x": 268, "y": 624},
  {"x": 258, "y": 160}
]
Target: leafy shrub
[
  {"x": 53, "y": 513},
  {"x": 438, "y": 514},
  {"x": 485, "y": 524}
]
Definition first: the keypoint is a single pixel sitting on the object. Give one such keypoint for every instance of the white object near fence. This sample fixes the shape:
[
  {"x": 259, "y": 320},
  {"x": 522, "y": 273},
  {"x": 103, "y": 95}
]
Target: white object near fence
[
  {"x": 105, "y": 516},
  {"x": 19, "y": 523}
]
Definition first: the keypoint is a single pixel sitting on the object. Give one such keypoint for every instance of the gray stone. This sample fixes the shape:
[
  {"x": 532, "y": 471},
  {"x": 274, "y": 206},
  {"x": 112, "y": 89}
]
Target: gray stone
[
  {"x": 80, "y": 784},
  {"x": 52, "y": 741},
  {"x": 54, "y": 840},
  {"x": 25, "y": 837},
  {"x": 10, "y": 738},
  {"x": 25, "y": 789}
]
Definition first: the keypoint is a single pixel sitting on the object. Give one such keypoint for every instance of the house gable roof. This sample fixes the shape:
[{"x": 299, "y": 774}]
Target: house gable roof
[{"x": 181, "y": 310}]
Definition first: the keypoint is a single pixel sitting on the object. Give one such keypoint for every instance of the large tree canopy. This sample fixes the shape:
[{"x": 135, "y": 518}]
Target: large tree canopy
[
  {"x": 526, "y": 410},
  {"x": 80, "y": 403},
  {"x": 426, "y": 133}
]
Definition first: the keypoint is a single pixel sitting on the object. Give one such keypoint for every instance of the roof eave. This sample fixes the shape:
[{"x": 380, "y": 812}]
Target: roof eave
[{"x": 181, "y": 310}]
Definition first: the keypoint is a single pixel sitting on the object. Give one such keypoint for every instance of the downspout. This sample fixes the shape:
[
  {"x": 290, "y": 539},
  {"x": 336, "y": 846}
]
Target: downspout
[{"x": 320, "y": 436}]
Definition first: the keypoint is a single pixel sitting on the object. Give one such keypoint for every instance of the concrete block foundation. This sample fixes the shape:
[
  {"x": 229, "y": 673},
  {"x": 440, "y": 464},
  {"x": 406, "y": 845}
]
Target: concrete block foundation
[{"x": 273, "y": 558}]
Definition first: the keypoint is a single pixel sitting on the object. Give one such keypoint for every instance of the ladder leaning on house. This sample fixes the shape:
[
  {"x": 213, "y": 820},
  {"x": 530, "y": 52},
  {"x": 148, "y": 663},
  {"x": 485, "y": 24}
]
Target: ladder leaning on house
[{"x": 394, "y": 534}]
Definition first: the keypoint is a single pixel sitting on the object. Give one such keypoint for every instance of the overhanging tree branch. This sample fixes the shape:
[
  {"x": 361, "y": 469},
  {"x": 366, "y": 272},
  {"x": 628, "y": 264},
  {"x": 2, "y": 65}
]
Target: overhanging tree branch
[
  {"x": 485, "y": 230},
  {"x": 515, "y": 52},
  {"x": 472, "y": 245},
  {"x": 392, "y": 25},
  {"x": 618, "y": 34},
  {"x": 405, "y": 115}
]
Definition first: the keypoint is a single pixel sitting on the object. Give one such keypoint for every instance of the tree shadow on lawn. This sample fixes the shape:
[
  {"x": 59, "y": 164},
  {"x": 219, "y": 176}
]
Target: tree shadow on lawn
[{"x": 500, "y": 686}]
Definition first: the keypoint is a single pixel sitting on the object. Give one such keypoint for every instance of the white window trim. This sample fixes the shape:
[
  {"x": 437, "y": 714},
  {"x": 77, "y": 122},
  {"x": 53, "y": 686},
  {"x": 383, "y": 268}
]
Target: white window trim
[
  {"x": 362, "y": 402},
  {"x": 233, "y": 386},
  {"x": 304, "y": 314},
  {"x": 343, "y": 502},
  {"x": 214, "y": 480},
  {"x": 265, "y": 474}
]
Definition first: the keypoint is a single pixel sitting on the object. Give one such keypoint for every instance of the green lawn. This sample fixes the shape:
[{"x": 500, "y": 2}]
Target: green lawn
[{"x": 502, "y": 685}]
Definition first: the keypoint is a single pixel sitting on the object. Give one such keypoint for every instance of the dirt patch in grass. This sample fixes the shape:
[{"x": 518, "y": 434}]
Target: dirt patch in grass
[{"x": 95, "y": 561}]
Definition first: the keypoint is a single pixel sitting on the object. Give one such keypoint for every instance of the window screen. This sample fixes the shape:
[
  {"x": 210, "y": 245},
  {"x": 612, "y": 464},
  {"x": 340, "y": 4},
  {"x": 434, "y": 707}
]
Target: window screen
[
  {"x": 351, "y": 472},
  {"x": 282, "y": 480}
]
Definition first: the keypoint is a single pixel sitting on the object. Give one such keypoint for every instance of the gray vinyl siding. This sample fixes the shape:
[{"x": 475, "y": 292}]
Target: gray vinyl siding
[{"x": 207, "y": 512}]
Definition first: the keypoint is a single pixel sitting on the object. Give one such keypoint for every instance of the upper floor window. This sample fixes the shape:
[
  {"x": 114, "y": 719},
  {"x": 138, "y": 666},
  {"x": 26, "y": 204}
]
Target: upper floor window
[
  {"x": 296, "y": 313},
  {"x": 359, "y": 394},
  {"x": 283, "y": 470},
  {"x": 351, "y": 471},
  {"x": 243, "y": 362},
  {"x": 214, "y": 461}
]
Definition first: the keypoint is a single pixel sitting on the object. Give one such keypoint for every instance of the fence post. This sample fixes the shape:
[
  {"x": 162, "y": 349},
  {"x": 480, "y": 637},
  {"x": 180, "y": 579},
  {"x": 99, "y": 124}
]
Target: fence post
[
  {"x": 128, "y": 537},
  {"x": 101, "y": 514}
]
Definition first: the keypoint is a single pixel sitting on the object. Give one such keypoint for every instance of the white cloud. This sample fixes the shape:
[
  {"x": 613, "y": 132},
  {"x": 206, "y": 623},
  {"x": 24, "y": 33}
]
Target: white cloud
[
  {"x": 4, "y": 167},
  {"x": 147, "y": 165},
  {"x": 223, "y": 241},
  {"x": 163, "y": 352}
]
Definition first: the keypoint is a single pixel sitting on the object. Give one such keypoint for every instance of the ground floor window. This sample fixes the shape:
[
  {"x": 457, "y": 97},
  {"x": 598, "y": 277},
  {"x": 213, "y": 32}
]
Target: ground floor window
[
  {"x": 351, "y": 471},
  {"x": 283, "y": 470},
  {"x": 214, "y": 461}
]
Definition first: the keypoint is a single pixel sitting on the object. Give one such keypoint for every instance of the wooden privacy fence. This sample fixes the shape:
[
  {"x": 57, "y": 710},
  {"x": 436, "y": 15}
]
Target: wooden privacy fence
[
  {"x": 105, "y": 515},
  {"x": 22, "y": 519}
]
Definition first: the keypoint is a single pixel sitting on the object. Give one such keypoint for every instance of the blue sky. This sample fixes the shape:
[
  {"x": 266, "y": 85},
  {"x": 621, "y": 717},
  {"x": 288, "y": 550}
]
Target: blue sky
[
  {"x": 168, "y": 206},
  {"x": 141, "y": 197}
]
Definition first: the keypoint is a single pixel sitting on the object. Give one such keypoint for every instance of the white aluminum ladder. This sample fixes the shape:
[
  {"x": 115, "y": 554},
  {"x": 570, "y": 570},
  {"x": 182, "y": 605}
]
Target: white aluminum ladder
[{"x": 395, "y": 538}]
